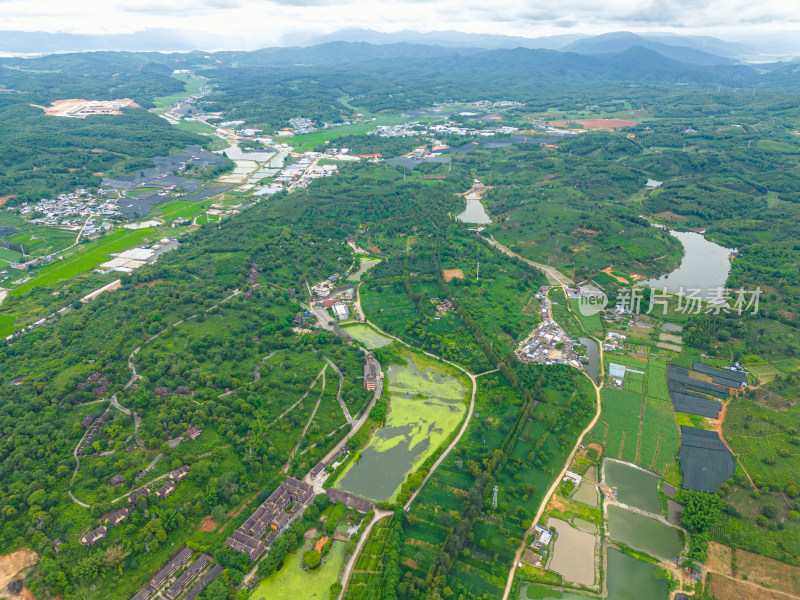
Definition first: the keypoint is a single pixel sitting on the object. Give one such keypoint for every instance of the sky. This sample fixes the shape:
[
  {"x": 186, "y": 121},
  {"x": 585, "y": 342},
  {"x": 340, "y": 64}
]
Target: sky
[{"x": 270, "y": 22}]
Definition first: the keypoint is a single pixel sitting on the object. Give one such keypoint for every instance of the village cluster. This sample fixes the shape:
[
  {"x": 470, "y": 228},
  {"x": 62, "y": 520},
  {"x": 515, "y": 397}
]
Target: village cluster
[
  {"x": 548, "y": 344},
  {"x": 79, "y": 210},
  {"x": 326, "y": 295}
]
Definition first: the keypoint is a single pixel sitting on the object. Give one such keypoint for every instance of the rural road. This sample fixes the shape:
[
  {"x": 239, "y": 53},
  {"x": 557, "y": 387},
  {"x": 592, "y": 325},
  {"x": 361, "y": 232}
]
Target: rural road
[
  {"x": 554, "y": 486},
  {"x": 552, "y": 274}
]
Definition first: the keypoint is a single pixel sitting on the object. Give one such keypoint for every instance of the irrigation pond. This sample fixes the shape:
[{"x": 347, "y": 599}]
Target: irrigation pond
[
  {"x": 426, "y": 404},
  {"x": 635, "y": 487},
  {"x": 705, "y": 267}
]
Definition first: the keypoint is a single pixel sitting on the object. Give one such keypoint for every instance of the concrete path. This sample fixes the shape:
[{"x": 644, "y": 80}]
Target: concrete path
[{"x": 346, "y": 412}]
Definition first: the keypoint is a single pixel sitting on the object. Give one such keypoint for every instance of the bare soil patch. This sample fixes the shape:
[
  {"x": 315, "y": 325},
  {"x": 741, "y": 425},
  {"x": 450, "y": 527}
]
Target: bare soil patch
[
  {"x": 670, "y": 216},
  {"x": 450, "y": 274},
  {"x": 722, "y": 586},
  {"x": 11, "y": 565},
  {"x": 4, "y": 199},
  {"x": 411, "y": 563},
  {"x": 207, "y": 524},
  {"x": 607, "y": 271},
  {"x": 771, "y": 400}
]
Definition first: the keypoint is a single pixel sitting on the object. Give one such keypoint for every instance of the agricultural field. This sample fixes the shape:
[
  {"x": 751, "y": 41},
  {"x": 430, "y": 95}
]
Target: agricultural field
[
  {"x": 592, "y": 324},
  {"x": 765, "y": 441},
  {"x": 660, "y": 438},
  {"x": 622, "y": 419}
]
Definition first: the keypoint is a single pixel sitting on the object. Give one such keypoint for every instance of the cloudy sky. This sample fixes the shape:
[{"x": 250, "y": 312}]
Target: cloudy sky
[{"x": 271, "y": 20}]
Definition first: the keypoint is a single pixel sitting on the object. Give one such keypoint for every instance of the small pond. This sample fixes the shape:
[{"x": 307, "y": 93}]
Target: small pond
[
  {"x": 635, "y": 487},
  {"x": 705, "y": 266},
  {"x": 628, "y": 579},
  {"x": 644, "y": 533},
  {"x": 632, "y": 579},
  {"x": 366, "y": 265}
]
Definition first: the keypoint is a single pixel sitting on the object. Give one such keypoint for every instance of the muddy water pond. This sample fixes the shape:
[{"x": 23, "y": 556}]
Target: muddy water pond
[
  {"x": 644, "y": 533},
  {"x": 426, "y": 404},
  {"x": 573, "y": 554},
  {"x": 635, "y": 487}
]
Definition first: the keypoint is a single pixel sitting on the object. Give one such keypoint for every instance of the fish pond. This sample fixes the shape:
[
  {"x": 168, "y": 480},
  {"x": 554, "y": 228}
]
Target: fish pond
[
  {"x": 426, "y": 404},
  {"x": 368, "y": 336},
  {"x": 628, "y": 579},
  {"x": 635, "y": 487},
  {"x": 645, "y": 533}
]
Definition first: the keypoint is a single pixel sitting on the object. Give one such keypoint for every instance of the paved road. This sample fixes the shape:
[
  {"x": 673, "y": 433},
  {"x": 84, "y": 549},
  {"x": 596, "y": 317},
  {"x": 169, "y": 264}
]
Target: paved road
[{"x": 554, "y": 275}]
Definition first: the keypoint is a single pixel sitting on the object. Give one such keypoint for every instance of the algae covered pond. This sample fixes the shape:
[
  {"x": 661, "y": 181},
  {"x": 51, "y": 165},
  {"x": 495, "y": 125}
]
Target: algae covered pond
[
  {"x": 644, "y": 533},
  {"x": 368, "y": 336},
  {"x": 426, "y": 404},
  {"x": 635, "y": 487}
]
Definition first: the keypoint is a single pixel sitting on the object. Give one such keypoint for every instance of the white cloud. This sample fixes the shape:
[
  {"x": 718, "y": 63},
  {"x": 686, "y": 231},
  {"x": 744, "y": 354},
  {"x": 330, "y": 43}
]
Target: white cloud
[{"x": 271, "y": 19}]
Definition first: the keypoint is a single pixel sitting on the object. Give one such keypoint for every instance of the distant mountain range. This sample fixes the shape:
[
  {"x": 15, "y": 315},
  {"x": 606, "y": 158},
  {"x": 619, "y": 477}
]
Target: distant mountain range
[{"x": 697, "y": 50}]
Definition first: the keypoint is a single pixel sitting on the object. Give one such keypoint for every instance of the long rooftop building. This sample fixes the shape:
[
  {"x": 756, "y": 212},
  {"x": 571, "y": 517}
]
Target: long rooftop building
[{"x": 275, "y": 513}]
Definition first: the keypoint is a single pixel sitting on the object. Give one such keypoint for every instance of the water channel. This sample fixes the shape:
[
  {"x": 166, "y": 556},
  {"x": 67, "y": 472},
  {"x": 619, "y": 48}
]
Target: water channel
[
  {"x": 705, "y": 267},
  {"x": 593, "y": 354}
]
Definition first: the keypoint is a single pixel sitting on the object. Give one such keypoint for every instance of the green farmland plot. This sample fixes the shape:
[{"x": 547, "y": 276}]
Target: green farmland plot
[
  {"x": 622, "y": 412},
  {"x": 660, "y": 439},
  {"x": 657, "y": 379}
]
